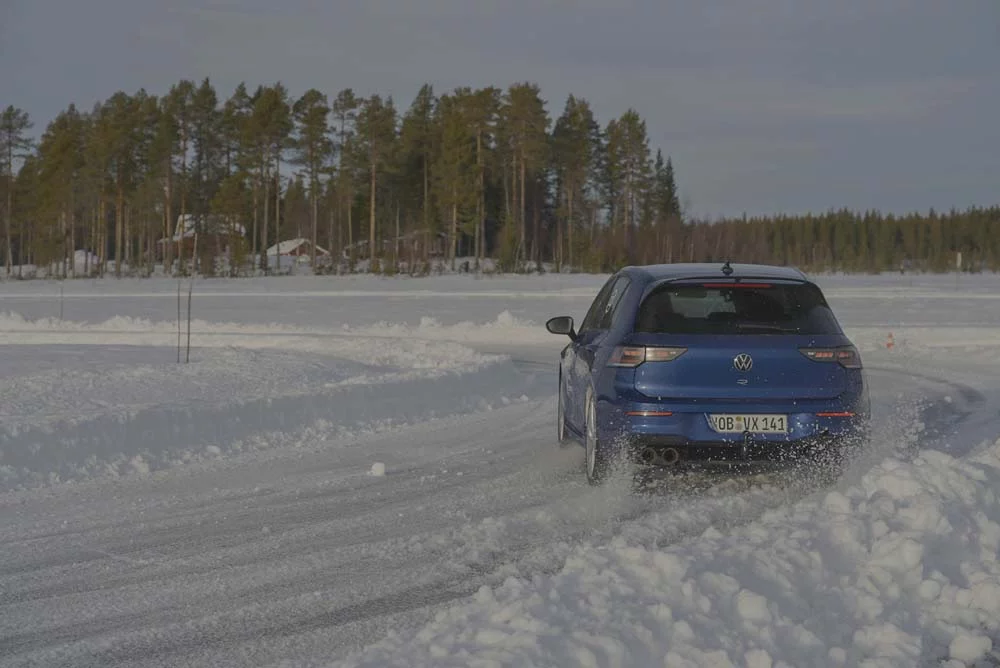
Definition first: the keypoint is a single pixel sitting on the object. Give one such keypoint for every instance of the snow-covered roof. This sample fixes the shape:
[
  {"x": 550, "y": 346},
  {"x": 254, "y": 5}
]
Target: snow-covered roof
[
  {"x": 187, "y": 226},
  {"x": 287, "y": 246}
]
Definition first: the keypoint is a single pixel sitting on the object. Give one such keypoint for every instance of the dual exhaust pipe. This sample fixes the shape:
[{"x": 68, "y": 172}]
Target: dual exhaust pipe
[{"x": 664, "y": 457}]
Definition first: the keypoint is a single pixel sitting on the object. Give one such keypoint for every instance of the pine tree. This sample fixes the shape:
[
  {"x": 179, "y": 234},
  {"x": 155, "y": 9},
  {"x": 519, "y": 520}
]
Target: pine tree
[
  {"x": 239, "y": 203},
  {"x": 178, "y": 104},
  {"x": 231, "y": 202},
  {"x": 271, "y": 125},
  {"x": 482, "y": 114},
  {"x": 628, "y": 173},
  {"x": 573, "y": 156},
  {"x": 96, "y": 185},
  {"x": 59, "y": 162},
  {"x": 145, "y": 219},
  {"x": 666, "y": 209},
  {"x": 416, "y": 155},
  {"x": 345, "y": 114},
  {"x": 14, "y": 144},
  {"x": 376, "y": 128},
  {"x": 119, "y": 121},
  {"x": 163, "y": 147},
  {"x": 236, "y": 112},
  {"x": 526, "y": 123},
  {"x": 313, "y": 148},
  {"x": 207, "y": 140},
  {"x": 455, "y": 169},
  {"x": 27, "y": 201}
]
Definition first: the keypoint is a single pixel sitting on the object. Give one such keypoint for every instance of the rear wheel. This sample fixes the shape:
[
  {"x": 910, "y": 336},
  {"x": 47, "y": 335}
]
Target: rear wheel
[
  {"x": 598, "y": 460},
  {"x": 561, "y": 415}
]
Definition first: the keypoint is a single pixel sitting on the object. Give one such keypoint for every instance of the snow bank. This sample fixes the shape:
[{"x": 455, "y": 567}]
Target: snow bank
[
  {"x": 82, "y": 401},
  {"x": 123, "y": 418},
  {"x": 368, "y": 341},
  {"x": 505, "y": 329},
  {"x": 894, "y": 571}
]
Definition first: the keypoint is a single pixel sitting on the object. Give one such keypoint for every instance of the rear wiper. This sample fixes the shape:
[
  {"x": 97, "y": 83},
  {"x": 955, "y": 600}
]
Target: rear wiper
[{"x": 767, "y": 328}]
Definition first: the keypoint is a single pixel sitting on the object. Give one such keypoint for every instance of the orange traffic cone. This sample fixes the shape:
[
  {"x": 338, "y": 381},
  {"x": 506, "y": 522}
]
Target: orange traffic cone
[{"x": 890, "y": 343}]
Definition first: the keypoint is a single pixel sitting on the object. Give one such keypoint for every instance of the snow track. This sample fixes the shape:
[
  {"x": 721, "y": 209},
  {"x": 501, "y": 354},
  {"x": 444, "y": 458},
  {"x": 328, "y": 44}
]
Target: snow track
[
  {"x": 306, "y": 556},
  {"x": 224, "y": 513}
]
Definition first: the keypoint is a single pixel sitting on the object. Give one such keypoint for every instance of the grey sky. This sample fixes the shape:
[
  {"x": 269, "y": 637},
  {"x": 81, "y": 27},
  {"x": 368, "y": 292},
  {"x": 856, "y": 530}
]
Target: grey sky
[{"x": 768, "y": 106}]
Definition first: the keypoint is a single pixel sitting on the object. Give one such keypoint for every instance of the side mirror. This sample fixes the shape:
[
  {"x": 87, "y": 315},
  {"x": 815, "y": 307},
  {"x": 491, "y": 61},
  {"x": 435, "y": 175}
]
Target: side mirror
[{"x": 561, "y": 325}]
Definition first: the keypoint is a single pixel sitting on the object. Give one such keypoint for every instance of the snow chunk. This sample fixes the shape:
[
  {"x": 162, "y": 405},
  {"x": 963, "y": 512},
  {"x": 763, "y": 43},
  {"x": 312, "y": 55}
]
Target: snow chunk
[
  {"x": 757, "y": 658},
  {"x": 378, "y": 469},
  {"x": 899, "y": 569},
  {"x": 752, "y": 607},
  {"x": 969, "y": 648},
  {"x": 139, "y": 465}
]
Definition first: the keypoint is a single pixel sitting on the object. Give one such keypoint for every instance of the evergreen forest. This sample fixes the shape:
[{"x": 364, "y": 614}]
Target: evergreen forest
[{"x": 461, "y": 176}]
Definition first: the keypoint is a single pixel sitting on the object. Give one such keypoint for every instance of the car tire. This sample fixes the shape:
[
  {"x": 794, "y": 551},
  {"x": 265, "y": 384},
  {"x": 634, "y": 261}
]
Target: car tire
[
  {"x": 598, "y": 465},
  {"x": 561, "y": 415}
]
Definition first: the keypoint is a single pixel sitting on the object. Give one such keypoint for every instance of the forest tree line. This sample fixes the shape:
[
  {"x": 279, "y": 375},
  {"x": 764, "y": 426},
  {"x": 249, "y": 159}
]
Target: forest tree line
[{"x": 487, "y": 172}]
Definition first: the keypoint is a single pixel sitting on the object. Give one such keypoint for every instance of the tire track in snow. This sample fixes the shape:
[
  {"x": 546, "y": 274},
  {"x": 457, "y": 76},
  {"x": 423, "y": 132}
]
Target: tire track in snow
[{"x": 212, "y": 591}]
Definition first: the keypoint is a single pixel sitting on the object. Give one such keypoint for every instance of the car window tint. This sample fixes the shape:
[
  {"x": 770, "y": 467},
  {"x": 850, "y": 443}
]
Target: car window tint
[
  {"x": 776, "y": 309},
  {"x": 614, "y": 300},
  {"x": 591, "y": 320}
]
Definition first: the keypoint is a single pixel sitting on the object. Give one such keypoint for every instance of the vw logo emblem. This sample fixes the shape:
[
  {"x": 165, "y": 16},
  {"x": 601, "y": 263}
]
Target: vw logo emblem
[{"x": 743, "y": 362}]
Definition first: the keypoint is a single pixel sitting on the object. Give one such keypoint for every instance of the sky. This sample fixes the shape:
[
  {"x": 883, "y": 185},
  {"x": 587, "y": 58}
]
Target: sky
[{"x": 765, "y": 107}]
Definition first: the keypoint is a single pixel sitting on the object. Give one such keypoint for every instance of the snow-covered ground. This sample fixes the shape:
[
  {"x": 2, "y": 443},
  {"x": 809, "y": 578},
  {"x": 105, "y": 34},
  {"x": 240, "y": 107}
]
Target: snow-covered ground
[{"x": 361, "y": 471}]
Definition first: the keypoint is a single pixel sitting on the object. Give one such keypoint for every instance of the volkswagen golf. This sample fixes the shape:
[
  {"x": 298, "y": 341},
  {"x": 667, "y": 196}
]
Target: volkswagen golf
[{"x": 709, "y": 365}]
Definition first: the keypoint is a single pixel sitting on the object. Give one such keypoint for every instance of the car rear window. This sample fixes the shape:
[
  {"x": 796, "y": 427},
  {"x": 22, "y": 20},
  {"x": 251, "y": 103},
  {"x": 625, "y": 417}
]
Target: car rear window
[{"x": 721, "y": 309}]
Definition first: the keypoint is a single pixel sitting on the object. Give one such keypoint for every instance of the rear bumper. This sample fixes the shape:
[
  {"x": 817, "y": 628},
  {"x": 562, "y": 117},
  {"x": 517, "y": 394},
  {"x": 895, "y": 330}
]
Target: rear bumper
[
  {"x": 683, "y": 436},
  {"x": 678, "y": 452}
]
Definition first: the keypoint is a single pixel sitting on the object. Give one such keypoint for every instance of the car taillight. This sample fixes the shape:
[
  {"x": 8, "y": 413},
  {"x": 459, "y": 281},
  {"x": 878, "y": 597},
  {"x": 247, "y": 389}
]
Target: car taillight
[
  {"x": 847, "y": 356},
  {"x": 633, "y": 356}
]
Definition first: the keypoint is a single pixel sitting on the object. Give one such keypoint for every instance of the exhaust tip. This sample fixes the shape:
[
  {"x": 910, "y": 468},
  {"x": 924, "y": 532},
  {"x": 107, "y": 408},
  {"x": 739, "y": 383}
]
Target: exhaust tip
[
  {"x": 671, "y": 456},
  {"x": 648, "y": 455}
]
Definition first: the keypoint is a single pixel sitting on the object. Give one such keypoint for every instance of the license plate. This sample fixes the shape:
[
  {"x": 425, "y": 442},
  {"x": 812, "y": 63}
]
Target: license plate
[{"x": 756, "y": 424}]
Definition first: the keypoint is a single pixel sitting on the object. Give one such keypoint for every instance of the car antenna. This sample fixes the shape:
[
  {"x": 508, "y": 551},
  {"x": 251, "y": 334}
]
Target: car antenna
[{"x": 726, "y": 269}]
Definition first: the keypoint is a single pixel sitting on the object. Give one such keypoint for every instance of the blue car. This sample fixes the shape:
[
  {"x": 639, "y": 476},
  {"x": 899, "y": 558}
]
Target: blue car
[{"x": 710, "y": 365}]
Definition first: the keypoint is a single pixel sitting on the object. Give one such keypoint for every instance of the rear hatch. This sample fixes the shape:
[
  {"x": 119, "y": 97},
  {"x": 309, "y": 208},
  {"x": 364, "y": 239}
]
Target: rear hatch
[
  {"x": 708, "y": 369},
  {"x": 741, "y": 341}
]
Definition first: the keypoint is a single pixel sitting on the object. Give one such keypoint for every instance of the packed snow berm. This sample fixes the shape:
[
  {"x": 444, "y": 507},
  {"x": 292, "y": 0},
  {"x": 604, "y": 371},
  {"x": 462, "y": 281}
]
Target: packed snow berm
[{"x": 361, "y": 471}]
